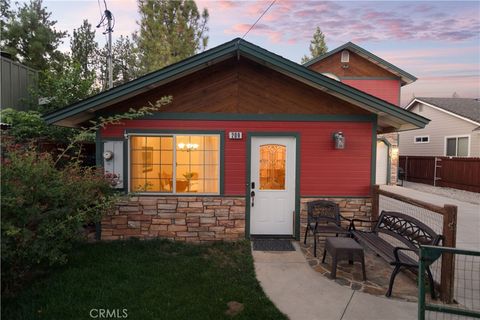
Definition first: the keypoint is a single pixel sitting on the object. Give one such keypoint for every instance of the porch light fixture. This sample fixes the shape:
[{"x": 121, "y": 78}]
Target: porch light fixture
[{"x": 339, "y": 140}]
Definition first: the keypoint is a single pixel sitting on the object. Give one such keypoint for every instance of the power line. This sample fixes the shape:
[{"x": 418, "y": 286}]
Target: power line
[{"x": 253, "y": 25}]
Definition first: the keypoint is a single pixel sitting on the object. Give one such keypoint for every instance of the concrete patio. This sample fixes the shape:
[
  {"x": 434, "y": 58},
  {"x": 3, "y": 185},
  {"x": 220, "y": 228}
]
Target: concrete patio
[{"x": 301, "y": 293}]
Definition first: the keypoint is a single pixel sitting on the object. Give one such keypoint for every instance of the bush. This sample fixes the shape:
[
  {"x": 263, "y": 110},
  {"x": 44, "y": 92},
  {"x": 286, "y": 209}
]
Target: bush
[
  {"x": 28, "y": 125},
  {"x": 43, "y": 211}
]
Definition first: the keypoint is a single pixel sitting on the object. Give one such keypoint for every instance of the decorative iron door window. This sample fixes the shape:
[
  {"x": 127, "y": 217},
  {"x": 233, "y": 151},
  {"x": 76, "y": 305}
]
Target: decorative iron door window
[{"x": 272, "y": 167}]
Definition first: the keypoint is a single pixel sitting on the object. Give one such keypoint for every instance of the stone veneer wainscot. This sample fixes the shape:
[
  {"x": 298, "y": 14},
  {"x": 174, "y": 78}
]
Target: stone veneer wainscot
[
  {"x": 193, "y": 219},
  {"x": 360, "y": 208},
  {"x": 201, "y": 219}
]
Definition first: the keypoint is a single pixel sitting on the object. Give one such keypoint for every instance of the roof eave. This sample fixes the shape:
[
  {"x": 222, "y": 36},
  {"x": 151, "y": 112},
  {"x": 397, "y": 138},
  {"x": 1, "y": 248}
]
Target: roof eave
[
  {"x": 243, "y": 48},
  {"x": 406, "y": 77}
]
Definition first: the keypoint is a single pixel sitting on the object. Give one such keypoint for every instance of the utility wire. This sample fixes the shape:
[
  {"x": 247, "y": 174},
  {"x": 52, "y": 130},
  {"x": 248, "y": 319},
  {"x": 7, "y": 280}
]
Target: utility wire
[{"x": 253, "y": 25}]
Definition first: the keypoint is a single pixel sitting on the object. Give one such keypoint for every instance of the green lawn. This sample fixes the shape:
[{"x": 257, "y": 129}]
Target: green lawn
[{"x": 151, "y": 279}]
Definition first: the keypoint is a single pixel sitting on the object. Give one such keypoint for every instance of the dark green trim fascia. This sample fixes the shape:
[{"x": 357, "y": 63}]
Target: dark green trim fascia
[
  {"x": 389, "y": 160},
  {"x": 297, "y": 137},
  {"x": 259, "y": 117},
  {"x": 240, "y": 48},
  {"x": 330, "y": 84},
  {"x": 173, "y": 131},
  {"x": 368, "y": 78},
  {"x": 374, "y": 155},
  {"x": 221, "y": 133},
  {"x": 225, "y": 50},
  {"x": 341, "y": 197},
  {"x": 98, "y": 149},
  {"x": 248, "y": 178},
  {"x": 361, "y": 51}
]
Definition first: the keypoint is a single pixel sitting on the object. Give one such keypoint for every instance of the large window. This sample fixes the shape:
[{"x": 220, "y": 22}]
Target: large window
[
  {"x": 175, "y": 163},
  {"x": 456, "y": 146}
]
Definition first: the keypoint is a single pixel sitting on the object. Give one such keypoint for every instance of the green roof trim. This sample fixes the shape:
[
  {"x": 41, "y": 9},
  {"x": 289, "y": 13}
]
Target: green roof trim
[
  {"x": 407, "y": 77},
  {"x": 237, "y": 47}
]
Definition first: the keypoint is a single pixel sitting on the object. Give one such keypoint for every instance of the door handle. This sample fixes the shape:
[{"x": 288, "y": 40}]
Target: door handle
[{"x": 252, "y": 198}]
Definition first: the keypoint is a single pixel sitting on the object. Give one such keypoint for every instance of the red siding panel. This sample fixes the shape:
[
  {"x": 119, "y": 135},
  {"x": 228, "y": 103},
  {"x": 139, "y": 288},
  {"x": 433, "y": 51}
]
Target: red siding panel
[
  {"x": 324, "y": 171},
  {"x": 388, "y": 90}
]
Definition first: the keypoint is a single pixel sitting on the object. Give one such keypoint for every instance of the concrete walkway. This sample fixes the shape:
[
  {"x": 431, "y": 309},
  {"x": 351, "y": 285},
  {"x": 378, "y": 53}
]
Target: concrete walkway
[
  {"x": 468, "y": 215},
  {"x": 301, "y": 293}
]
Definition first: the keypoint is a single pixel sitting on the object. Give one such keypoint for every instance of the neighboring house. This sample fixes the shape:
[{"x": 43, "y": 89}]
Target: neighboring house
[
  {"x": 454, "y": 129},
  {"x": 17, "y": 81},
  {"x": 367, "y": 72},
  {"x": 248, "y": 140}
]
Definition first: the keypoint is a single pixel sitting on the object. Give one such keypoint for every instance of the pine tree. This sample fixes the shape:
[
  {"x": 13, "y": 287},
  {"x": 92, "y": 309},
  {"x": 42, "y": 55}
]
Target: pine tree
[
  {"x": 317, "y": 46},
  {"x": 31, "y": 38},
  {"x": 125, "y": 61},
  {"x": 84, "y": 48},
  {"x": 169, "y": 32},
  {"x": 5, "y": 16}
]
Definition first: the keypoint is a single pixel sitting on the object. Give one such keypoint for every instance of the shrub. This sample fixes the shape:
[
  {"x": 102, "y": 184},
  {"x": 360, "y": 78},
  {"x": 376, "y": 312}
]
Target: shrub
[
  {"x": 28, "y": 125},
  {"x": 43, "y": 210}
]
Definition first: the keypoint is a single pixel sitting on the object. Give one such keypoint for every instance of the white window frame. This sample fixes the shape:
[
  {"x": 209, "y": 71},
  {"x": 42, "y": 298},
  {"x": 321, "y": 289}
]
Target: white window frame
[
  {"x": 174, "y": 135},
  {"x": 456, "y": 145},
  {"x": 416, "y": 142}
]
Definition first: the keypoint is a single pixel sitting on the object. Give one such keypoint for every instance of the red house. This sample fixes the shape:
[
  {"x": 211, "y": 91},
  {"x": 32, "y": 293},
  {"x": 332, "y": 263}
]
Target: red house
[{"x": 249, "y": 138}]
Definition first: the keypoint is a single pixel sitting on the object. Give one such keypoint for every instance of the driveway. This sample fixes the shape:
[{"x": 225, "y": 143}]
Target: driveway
[{"x": 468, "y": 215}]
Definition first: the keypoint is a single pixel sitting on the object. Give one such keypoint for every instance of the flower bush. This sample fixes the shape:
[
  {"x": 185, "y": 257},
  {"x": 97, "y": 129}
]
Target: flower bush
[{"x": 44, "y": 209}]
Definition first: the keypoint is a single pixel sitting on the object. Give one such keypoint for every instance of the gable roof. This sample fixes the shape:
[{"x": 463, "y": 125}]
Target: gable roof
[
  {"x": 463, "y": 108},
  {"x": 406, "y": 77},
  {"x": 388, "y": 114}
]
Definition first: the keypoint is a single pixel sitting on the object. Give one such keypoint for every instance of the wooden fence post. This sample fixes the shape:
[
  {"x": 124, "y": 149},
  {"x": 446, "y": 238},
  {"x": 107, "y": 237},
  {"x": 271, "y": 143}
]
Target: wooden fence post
[
  {"x": 375, "y": 201},
  {"x": 448, "y": 259}
]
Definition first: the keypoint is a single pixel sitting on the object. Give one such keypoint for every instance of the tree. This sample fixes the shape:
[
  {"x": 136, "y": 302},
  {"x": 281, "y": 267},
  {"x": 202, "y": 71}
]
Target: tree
[
  {"x": 169, "y": 32},
  {"x": 31, "y": 38},
  {"x": 84, "y": 48},
  {"x": 125, "y": 62},
  {"x": 317, "y": 46},
  {"x": 5, "y": 15},
  {"x": 65, "y": 86}
]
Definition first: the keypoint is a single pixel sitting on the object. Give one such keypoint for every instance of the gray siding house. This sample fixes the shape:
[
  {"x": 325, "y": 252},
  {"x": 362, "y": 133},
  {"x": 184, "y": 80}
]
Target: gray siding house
[{"x": 454, "y": 129}]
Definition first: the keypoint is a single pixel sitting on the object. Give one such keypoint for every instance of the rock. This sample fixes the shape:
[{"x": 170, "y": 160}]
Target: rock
[{"x": 234, "y": 308}]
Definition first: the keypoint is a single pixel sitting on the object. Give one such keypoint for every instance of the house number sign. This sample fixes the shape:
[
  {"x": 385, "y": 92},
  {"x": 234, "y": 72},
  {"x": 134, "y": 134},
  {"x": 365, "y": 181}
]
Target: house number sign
[{"x": 235, "y": 135}]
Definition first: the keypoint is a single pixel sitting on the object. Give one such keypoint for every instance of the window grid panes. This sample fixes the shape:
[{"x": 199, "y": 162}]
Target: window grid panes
[
  {"x": 422, "y": 139},
  {"x": 457, "y": 147},
  {"x": 192, "y": 166}
]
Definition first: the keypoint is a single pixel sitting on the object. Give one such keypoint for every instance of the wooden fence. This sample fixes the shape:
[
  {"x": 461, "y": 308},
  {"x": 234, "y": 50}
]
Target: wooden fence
[
  {"x": 449, "y": 230},
  {"x": 458, "y": 173}
]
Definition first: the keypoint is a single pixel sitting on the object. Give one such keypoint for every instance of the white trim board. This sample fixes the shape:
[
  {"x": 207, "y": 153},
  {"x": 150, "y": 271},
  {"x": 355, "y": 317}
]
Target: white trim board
[{"x": 456, "y": 145}]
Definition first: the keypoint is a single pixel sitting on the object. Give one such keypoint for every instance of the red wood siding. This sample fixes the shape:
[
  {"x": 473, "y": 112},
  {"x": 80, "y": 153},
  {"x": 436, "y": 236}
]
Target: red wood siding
[
  {"x": 388, "y": 90},
  {"x": 324, "y": 171}
]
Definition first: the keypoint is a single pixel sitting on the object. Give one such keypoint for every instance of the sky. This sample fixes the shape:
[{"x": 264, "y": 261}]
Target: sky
[{"x": 436, "y": 41}]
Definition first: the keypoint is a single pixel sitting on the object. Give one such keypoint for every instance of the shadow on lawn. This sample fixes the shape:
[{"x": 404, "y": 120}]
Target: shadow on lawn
[{"x": 155, "y": 279}]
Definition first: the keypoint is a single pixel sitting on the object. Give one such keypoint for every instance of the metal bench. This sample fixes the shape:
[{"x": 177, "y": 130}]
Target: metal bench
[{"x": 409, "y": 231}]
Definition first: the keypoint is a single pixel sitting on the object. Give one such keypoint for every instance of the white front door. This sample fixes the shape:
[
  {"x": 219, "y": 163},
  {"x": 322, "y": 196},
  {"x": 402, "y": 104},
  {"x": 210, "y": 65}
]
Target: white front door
[
  {"x": 272, "y": 181},
  {"x": 382, "y": 163}
]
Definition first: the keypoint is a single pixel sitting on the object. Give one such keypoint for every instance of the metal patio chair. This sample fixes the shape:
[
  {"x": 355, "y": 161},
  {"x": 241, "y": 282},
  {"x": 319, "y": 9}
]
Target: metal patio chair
[{"x": 323, "y": 217}]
